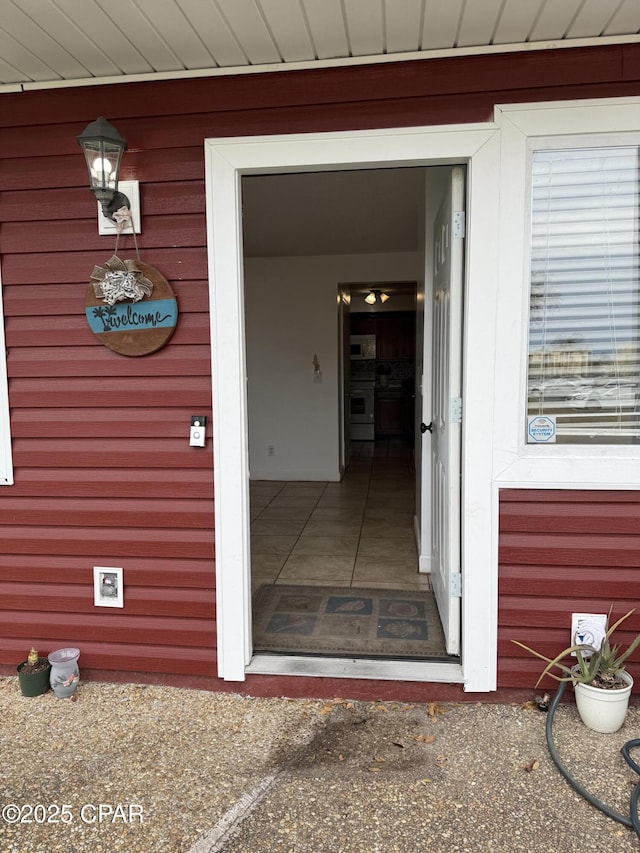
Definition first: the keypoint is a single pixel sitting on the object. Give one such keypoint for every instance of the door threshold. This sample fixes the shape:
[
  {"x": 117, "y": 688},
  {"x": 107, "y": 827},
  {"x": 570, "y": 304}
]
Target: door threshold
[{"x": 384, "y": 670}]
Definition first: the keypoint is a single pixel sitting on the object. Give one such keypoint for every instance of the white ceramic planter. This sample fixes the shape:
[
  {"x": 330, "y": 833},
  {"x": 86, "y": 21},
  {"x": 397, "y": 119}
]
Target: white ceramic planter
[
  {"x": 603, "y": 710},
  {"x": 65, "y": 674}
]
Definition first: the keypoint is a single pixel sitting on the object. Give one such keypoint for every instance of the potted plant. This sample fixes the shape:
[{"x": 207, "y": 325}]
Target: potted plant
[
  {"x": 601, "y": 683},
  {"x": 33, "y": 674}
]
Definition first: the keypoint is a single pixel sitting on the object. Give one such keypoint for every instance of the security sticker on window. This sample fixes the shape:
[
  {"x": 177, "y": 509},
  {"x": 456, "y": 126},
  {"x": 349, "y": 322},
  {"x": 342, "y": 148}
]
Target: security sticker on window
[{"x": 541, "y": 429}]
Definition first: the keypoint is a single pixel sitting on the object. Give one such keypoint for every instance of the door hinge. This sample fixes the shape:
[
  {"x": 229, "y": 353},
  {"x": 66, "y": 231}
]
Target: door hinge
[
  {"x": 455, "y": 414},
  {"x": 455, "y": 585},
  {"x": 459, "y": 224}
]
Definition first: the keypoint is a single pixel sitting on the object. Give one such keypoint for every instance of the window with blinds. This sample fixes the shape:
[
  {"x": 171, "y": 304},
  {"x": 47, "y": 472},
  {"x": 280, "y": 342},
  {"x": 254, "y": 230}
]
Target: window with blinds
[{"x": 584, "y": 313}]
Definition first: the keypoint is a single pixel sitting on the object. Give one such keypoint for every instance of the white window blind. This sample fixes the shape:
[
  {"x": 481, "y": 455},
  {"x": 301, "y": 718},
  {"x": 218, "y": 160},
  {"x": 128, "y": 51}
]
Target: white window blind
[{"x": 584, "y": 317}]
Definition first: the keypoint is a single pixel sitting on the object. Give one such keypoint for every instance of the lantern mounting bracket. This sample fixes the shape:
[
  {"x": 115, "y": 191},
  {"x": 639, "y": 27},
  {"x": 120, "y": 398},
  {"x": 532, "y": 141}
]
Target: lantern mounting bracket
[
  {"x": 111, "y": 201},
  {"x": 108, "y": 225}
]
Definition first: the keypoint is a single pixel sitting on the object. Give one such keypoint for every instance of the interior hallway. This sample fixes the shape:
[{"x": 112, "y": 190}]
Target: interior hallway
[{"x": 356, "y": 533}]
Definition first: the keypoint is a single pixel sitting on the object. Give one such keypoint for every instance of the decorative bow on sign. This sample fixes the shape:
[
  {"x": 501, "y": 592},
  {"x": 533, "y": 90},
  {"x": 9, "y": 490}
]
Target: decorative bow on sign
[{"x": 119, "y": 280}]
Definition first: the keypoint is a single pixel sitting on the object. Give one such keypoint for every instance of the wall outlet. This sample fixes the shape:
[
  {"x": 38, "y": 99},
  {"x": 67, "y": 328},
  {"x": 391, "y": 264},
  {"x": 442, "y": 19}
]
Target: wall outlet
[
  {"x": 588, "y": 628},
  {"x": 271, "y": 450}
]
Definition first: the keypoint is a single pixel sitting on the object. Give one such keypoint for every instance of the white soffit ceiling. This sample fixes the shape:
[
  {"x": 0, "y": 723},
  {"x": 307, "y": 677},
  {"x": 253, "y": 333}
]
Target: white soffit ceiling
[{"x": 75, "y": 42}]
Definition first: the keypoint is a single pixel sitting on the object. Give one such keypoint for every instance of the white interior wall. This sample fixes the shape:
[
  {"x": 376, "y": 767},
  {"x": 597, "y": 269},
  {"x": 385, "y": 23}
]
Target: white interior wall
[{"x": 291, "y": 314}]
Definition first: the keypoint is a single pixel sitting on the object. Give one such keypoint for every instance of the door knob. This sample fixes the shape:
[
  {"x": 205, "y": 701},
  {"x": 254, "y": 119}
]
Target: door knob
[{"x": 425, "y": 427}]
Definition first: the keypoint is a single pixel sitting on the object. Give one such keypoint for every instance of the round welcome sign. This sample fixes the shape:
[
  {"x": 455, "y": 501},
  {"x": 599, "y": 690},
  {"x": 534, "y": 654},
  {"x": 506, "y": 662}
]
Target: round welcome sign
[{"x": 130, "y": 307}]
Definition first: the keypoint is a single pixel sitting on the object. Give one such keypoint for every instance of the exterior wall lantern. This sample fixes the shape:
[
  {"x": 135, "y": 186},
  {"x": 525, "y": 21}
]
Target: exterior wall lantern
[{"x": 103, "y": 148}]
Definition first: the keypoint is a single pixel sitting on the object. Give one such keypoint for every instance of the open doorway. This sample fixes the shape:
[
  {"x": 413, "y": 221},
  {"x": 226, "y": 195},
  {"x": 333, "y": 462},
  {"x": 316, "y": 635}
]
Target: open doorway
[{"x": 334, "y": 530}]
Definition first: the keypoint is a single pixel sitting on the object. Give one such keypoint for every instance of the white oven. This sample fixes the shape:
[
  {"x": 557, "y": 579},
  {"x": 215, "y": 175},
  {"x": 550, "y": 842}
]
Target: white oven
[{"x": 362, "y": 395}]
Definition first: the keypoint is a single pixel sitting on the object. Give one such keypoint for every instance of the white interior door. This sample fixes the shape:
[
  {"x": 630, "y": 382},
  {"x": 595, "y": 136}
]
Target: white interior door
[
  {"x": 446, "y": 407},
  {"x": 419, "y": 388},
  {"x": 345, "y": 379}
]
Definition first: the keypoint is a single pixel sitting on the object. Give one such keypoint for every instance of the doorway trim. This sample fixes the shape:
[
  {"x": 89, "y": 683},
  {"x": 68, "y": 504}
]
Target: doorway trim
[{"x": 226, "y": 161}]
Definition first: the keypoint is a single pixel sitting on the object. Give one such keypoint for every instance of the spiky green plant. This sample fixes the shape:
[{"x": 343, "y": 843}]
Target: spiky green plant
[{"x": 601, "y": 665}]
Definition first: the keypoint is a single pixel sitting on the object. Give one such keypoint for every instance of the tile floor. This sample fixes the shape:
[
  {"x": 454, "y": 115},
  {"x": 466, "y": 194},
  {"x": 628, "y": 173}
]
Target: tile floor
[{"x": 357, "y": 533}]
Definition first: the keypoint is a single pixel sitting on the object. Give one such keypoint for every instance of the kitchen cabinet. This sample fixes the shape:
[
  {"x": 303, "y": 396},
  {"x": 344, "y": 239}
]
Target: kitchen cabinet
[
  {"x": 363, "y": 324},
  {"x": 393, "y": 413},
  {"x": 395, "y": 334},
  {"x": 397, "y": 337}
]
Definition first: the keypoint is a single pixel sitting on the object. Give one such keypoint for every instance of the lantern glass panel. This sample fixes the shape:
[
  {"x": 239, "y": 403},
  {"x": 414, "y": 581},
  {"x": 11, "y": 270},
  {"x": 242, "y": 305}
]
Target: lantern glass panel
[{"x": 103, "y": 163}]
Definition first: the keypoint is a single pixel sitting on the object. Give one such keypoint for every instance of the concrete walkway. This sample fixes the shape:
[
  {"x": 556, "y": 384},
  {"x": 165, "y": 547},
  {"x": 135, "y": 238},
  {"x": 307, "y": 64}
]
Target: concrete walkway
[{"x": 162, "y": 770}]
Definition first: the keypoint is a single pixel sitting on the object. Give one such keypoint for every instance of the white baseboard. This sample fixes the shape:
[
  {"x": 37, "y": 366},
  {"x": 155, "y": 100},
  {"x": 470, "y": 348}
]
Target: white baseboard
[
  {"x": 424, "y": 564},
  {"x": 424, "y": 560}
]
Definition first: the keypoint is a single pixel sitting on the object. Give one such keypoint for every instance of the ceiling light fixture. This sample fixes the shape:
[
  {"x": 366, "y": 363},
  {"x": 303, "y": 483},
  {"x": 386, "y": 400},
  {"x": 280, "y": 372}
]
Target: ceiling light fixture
[
  {"x": 374, "y": 295},
  {"x": 103, "y": 148}
]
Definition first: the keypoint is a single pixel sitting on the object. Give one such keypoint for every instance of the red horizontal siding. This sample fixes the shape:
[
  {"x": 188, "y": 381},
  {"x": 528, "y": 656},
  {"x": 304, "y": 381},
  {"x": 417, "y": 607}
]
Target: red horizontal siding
[
  {"x": 182, "y": 197},
  {"x": 330, "y": 87},
  {"x": 630, "y": 62},
  {"x": 550, "y": 611},
  {"x": 565, "y": 580},
  {"x": 518, "y": 668},
  {"x": 98, "y": 423},
  {"x": 159, "y": 230},
  {"x": 570, "y": 549},
  {"x": 138, "y": 625},
  {"x": 49, "y": 268},
  {"x": 147, "y": 483},
  {"x": 108, "y": 512},
  {"x": 38, "y": 170},
  {"x": 98, "y": 453},
  {"x": 567, "y": 495},
  {"x": 563, "y": 552},
  {"x": 595, "y": 517},
  {"x": 93, "y": 361},
  {"x": 104, "y": 474},
  {"x": 71, "y": 598},
  {"x": 80, "y": 392},
  {"x": 145, "y": 572},
  {"x": 121, "y": 656},
  {"x": 96, "y": 541}
]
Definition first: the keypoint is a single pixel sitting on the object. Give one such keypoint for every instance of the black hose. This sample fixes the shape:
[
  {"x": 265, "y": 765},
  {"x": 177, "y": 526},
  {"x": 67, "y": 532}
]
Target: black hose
[
  {"x": 632, "y": 822},
  {"x": 635, "y": 794}
]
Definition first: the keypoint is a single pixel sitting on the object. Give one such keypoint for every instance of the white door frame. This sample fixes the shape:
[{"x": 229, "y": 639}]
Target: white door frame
[{"x": 226, "y": 161}]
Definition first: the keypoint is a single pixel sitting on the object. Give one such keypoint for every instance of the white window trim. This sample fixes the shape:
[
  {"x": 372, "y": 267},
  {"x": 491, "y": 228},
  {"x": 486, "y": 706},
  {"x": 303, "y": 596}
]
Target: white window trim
[
  {"x": 6, "y": 461},
  {"x": 517, "y": 464},
  {"x": 226, "y": 161}
]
